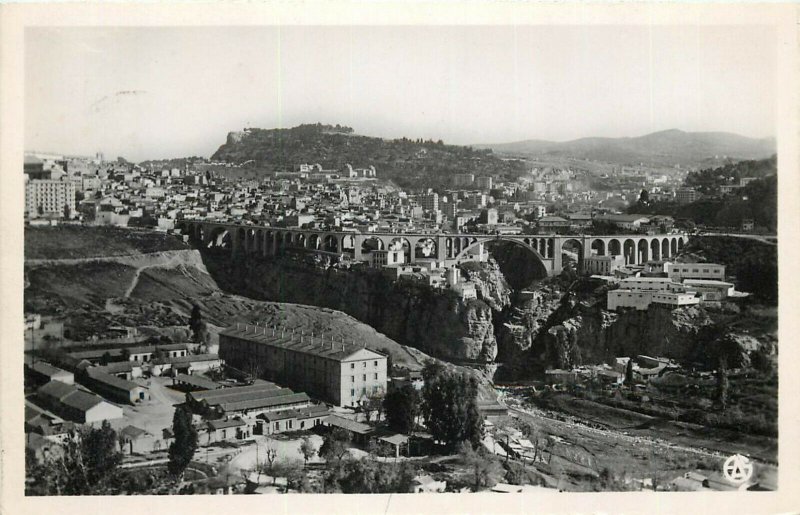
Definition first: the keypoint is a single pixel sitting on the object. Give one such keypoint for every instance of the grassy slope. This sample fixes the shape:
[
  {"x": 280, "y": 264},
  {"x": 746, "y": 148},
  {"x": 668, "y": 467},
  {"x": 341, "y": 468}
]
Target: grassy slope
[{"x": 72, "y": 241}]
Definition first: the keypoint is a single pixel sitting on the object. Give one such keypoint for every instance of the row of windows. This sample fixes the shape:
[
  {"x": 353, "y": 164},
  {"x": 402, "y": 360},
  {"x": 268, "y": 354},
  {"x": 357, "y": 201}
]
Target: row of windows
[
  {"x": 363, "y": 364},
  {"x": 364, "y": 377}
]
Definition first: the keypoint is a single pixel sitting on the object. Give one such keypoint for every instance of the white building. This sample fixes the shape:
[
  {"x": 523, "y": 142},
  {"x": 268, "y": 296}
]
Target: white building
[
  {"x": 641, "y": 299},
  {"x": 712, "y": 271},
  {"x": 381, "y": 258},
  {"x": 603, "y": 265},
  {"x": 709, "y": 289},
  {"x": 650, "y": 283},
  {"x": 49, "y": 198}
]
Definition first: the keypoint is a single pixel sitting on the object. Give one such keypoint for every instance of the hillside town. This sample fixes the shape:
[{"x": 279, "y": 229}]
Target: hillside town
[
  {"x": 267, "y": 380},
  {"x": 397, "y": 259}
]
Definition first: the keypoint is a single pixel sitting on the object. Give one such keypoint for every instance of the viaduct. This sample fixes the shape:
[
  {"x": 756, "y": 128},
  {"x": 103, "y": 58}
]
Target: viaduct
[{"x": 547, "y": 248}]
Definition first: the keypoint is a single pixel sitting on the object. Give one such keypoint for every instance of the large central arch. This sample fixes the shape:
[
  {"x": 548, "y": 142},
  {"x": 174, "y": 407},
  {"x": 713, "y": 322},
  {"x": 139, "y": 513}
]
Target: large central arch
[{"x": 477, "y": 241}]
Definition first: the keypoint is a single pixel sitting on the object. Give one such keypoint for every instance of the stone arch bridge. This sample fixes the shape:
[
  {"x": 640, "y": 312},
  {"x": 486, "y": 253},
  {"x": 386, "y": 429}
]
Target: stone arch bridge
[{"x": 546, "y": 248}]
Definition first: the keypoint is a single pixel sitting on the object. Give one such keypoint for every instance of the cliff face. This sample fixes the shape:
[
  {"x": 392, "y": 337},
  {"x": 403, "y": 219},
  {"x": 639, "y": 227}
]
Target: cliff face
[
  {"x": 586, "y": 335},
  {"x": 436, "y": 322}
]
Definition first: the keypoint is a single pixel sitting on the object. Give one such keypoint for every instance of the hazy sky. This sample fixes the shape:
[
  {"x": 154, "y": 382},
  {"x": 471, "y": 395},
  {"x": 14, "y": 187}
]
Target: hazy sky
[{"x": 170, "y": 92}]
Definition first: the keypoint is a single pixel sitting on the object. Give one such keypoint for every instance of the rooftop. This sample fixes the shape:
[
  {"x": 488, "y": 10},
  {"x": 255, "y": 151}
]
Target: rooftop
[
  {"x": 347, "y": 424},
  {"x": 307, "y": 344},
  {"x": 198, "y": 381}
]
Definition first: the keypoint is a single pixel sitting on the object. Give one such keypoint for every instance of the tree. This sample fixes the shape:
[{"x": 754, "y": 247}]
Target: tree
[
  {"x": 644, "y": 197},
  {"x": 335, "y": 445},
  {"x": 373, "y": 405},
  {"x": 253, "y": 368},
  {"x": 297, "y": 479},
  {"x": 307, "y": 449},
  {"x": 629, "y": 372},
  {"x": 125, "y": 354},
  {"x": 67, "y": 212},
  {"x": 105, "y": 359},
  {"x": 450, "y": 406},
  {"x": 402, "y": 408},
  {"x": 86, "y": 464},
  {"x": 198, "y": 325},
  {"x": 182, "y": 450},
  {"x": 722, "y": 381},
  {"x": 269, "y": 468},
  {"x": 483, "y": 467}
]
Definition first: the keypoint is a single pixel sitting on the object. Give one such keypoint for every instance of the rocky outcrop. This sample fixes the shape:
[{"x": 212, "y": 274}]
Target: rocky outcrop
[{"x": 437, "y": 322}]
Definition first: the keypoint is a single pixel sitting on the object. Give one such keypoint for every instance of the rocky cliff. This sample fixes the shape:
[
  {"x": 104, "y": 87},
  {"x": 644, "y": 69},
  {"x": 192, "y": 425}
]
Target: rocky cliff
[{"x": 437, "y": 322}]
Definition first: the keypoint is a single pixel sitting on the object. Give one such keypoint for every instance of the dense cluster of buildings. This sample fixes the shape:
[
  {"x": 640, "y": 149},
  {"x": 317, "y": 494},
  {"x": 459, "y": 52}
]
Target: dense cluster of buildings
[{"x": 668, "y": 284}]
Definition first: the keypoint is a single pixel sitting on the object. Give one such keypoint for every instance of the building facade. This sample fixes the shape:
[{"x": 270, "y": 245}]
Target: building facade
[
  {"x": 711, "y": 271},
  {"x": 339, "y": 373},
  {"x": 49, "y": 198}
]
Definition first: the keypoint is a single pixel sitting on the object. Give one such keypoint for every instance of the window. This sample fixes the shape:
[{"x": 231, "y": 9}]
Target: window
[
  {"x": 290, "y": 424},
  {"x": 376, "y": 363},
  {"x": 352, "y": 379},
  {"x": 352, "y": 365},
  {"x": 352, "y": 392},
  {"x": 364, "y": 363},
  {"x": 277, "y": 426},
  {"x": 376, "y": 375},
  {"x": 365, "y": 377}
]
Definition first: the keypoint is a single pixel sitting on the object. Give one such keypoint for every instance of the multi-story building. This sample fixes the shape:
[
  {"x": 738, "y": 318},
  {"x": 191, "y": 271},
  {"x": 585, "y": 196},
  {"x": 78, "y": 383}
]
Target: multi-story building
[
  {"x": 686, "y": 195},
  {"x": 603, "y": 265},
  {"x": 713, "y": 271},
  {"x": 641, "y": 299},
  {"x": 381, "y": 258},
  {"x": 49, "y": 198},
  {"x": 341, "y": 373},
  {"x": 451, "y": 209},
  {"x": 484, "y": 182},
  {"x": 429, "y": 202},
  {"x": 463, "y": 179}
]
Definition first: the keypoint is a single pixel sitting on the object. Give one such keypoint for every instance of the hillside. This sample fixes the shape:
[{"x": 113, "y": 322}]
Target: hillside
[
  {"x": 149, "y": 280},
  {"x": 74, "y": 241},
  {"x": 758, "y": 200},
  {"x": 669, "y": 147},
  {"x": 409, "y": 163}
]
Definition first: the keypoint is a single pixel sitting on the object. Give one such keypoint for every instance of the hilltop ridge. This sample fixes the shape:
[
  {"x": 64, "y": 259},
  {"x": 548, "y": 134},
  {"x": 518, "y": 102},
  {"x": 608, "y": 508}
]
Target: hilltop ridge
[{"x": 668, "y": 147}]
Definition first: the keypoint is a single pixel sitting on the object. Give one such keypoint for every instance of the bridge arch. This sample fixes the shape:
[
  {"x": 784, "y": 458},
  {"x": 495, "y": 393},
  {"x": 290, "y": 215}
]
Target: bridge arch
[
  {"x": 403, "y": 244},
  {"x": 614, "y": 247},
  {"x": 540, "y": 261},
  {"x": 629, "y": 251},
  {"x": 599, "y": 246},
  {"x": 575, "y": 245},
  {"x": 665, "y": 248},
  {"x": 425, "y": 248},
  {"x": 371, "y": 243},
  {"x": 220, "y": 237},
  {"x": 642, "y": 249},
  {"x": 673, "y": 247},
  {"x": 330, "y": 243},
  {"x": 655, "y": 249}
]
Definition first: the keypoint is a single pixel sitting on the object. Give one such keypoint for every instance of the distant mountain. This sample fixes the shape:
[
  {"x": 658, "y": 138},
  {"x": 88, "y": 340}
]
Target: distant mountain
[{"x": 668, "y": 147}]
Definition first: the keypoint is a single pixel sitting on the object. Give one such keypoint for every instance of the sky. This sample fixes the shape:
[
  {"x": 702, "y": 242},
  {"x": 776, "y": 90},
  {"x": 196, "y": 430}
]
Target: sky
[{"x": 150, "y": 93}]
